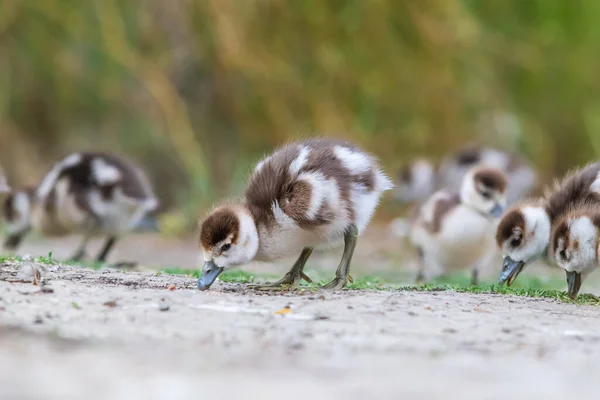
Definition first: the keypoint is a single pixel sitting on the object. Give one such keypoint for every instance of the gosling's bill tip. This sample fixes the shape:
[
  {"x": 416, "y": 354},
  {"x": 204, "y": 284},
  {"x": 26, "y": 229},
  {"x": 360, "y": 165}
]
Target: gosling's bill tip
[
  {"x": 510, "y": 270},
  {"x": 210, "y": 272}
]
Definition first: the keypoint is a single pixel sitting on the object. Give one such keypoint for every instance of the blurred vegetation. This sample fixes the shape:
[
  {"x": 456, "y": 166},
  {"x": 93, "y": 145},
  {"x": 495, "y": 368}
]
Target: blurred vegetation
[{"x": 197, "y": 90}]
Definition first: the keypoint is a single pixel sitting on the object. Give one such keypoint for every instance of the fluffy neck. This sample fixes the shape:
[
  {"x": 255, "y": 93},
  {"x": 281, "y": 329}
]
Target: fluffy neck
[
  {"x": 585, "y": 233},
  {"x": 537, "y": 233},
  {"x": 248, "y": 235},
  {"x": 469, "y": 196}
]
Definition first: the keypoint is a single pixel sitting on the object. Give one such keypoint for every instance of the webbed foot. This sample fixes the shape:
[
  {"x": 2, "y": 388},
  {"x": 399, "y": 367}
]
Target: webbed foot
[
  {"x": 336, "y": 284},
  {"x": 288, "y": 282}
]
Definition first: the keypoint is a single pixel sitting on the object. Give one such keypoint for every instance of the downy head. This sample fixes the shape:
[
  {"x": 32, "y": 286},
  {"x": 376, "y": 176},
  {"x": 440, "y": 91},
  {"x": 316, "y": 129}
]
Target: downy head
[
  {"x": 522, "y": 236},
  {"x": 228, "y": 238},
  {"x": 574, "y": 246},
  {"x": 484, "y": 189}
]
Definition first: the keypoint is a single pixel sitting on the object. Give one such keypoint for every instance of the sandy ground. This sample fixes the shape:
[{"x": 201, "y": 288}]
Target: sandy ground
[{"x": 124, "y": 335}]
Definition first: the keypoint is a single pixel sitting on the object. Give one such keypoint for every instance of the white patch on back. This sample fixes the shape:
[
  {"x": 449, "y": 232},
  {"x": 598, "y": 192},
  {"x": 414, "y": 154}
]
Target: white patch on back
[
  {"x": 354, "y": 161},
  {"x": 323, "y": 191},
  {"x": 50, "y": 179},
  {"x": 300, "y": 161},
  {"x": 104, "y": 172}
]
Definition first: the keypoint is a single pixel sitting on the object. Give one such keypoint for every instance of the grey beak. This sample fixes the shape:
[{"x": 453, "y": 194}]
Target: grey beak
[
  {"x": 209, "y": 274},
  {"x": 497, "y": 211},
  {"x": 573, "y": 284},
  {"x": 510, "y": 270}
]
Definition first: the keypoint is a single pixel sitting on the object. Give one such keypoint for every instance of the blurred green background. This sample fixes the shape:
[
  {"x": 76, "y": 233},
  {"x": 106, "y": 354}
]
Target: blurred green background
[{"x": 198, "y": 90}]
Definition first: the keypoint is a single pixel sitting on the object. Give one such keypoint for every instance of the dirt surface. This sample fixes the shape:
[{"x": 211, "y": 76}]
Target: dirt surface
[{"x": 124, "y": 335}]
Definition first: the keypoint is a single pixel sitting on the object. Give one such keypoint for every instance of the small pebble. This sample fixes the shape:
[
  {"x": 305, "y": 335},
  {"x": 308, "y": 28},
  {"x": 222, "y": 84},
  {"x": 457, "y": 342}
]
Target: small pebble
[
  {"x": 171, "y": 287},
  {"x": 163, "y": 306},
  {"x": 111, "y": 303},
  {"x": 26, "y": 272},
  {"x": 38, "y": 320}
]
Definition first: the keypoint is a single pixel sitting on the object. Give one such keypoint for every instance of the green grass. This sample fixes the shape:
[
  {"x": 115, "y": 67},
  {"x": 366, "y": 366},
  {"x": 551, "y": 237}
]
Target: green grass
[{"x": 525, "y": 286}]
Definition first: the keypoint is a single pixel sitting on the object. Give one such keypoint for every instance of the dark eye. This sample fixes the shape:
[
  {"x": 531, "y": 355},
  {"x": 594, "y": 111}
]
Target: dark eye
[
  {"x": 225, "y": 247},
  {"x": 486, "y": 195},
  {"x": 515, "y": 242},
  {"x": 563, "y": 255}
]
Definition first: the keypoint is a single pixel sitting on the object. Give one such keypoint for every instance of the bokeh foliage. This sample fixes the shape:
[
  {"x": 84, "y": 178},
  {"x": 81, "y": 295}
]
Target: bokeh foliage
[{"x": 197, "y": 90}]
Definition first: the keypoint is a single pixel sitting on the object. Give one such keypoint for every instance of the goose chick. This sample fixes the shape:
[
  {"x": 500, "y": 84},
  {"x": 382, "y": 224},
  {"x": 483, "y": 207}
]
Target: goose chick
[
  {"x": 523, "y": 234},
  {"x": 85, "y": 193},
  {"x": 454, "y": 230},
  {"x": 575, "y": 244},
  {"x": 317, "y": 193}
]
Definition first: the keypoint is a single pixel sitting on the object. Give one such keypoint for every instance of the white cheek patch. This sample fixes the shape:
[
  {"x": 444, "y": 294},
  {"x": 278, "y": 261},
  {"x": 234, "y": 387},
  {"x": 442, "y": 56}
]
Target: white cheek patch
[
  {"x": 247, "y": 243},
  {"x": 354, "y": 161},
  {"x": 104, "y": 172},
  {"x": 584, "y": 231},
  {"x": 537, "y": 235},
  {"x": 300, "y": 161}
]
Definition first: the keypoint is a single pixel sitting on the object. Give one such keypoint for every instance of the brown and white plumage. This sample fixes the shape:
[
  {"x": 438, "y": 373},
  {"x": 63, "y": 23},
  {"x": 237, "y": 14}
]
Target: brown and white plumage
[
  {"x": 575, "y": 244},
  {"x": 418, "y": 180},
  {"x": 523, "y": 234},
  {"x": 306, "y": 195},
  {"x": 455, "y": 230},
  {"x": 88, "y": 193}
]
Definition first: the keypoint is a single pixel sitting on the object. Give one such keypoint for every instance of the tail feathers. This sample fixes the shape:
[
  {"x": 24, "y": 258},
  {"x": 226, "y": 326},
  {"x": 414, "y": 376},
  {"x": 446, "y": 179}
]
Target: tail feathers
[{"x": 384, "y": 182}]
